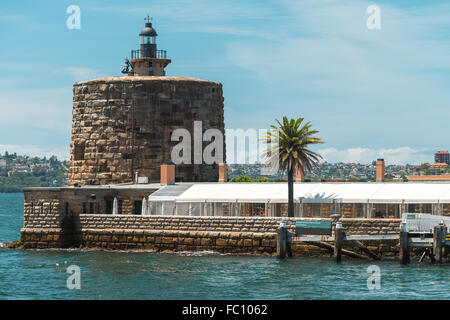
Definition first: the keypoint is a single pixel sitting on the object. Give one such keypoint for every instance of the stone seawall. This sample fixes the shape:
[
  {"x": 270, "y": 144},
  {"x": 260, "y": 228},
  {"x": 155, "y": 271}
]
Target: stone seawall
[
  {"x": 178, "y": 223},
  {"x": 371, "y": 226},
  {"x": 46, "y": 228},
  {"x": 173, "y": 241}
]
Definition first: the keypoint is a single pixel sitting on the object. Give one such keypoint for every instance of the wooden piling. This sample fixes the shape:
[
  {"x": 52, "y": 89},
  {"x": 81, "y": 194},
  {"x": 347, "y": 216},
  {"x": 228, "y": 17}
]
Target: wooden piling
[
  {"x": 438, "y": 234},
  {"x": 404, "y": 247},
  {"x": 338, "y": 239},
  {"x": 288, "y": 244},
  {"x": 366, "y": 250},
  {"x": 423, "y": 256},
  {"x": 281, "y": 242}
]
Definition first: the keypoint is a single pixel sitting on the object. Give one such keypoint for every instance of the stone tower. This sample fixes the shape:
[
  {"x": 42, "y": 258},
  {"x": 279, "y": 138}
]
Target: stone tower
[{"x": 122, "y": 126}]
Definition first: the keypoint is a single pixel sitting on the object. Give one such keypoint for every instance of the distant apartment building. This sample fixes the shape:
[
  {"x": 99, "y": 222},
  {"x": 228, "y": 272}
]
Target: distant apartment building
[
  {"x": 39, "y": 166},
  {"x": 23, "y": 169},
  {"x": 442, "y": 157}
]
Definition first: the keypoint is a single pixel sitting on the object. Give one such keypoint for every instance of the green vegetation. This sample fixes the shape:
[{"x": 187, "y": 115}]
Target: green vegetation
[
  {"x": 243, "y": 178},
  {"x": 288, "y": 146},
  {"x": 18, "y": 172}
]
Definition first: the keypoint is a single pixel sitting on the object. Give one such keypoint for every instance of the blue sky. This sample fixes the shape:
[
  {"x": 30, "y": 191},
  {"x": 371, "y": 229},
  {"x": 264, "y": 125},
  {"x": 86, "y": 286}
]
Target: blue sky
[{"x": 370, "y": 93}]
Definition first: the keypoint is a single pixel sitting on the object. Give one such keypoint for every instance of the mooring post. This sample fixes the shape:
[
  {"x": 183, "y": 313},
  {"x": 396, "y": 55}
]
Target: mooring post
[
  {"x": 288, "y": 243},
  {"x": 281, "y": 241},
  {"x": 404, "y": 244},
  {"x": 439, "y": 232},
  {"x": 338, "y": 238}
]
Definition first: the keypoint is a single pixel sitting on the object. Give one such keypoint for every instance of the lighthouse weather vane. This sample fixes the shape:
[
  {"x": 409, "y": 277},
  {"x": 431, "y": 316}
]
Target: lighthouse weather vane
[{"x": 148, "y": 19}]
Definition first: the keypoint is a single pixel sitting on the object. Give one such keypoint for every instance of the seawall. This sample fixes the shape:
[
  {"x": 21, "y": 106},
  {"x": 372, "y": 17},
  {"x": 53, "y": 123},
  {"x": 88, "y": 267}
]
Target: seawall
[{"x": 48, "y": 226}]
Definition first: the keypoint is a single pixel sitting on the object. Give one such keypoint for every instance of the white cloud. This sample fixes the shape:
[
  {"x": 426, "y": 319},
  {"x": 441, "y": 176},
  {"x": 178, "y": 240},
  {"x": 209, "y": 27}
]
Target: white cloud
[
  {"x": 401, "y": 155},
  {"x": 39, "y": 151}
]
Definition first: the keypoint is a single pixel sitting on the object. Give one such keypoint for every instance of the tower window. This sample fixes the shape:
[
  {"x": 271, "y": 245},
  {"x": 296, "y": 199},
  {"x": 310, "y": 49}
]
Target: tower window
[{"x": 78, "y": 152}]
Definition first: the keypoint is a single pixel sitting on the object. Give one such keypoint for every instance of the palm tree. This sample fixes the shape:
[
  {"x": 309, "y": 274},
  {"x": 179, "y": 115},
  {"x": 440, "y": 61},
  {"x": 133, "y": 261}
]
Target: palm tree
[{"x": 288, "y": 148}]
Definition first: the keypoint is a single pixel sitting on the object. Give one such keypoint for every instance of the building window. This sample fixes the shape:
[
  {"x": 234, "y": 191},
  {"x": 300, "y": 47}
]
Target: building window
[
  {"x": 138, "y": 207},
  {"x": 78, "y": 152},
  {"x": 84, "y": 207},
  {"x": 108, "y": 208},
  {"x": 120, "y": 205},
  {"x": 258, "y": 209}
]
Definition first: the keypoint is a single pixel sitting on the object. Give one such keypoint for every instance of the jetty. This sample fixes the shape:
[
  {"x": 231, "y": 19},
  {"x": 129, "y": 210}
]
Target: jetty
[{"x": 425, "y": 234}]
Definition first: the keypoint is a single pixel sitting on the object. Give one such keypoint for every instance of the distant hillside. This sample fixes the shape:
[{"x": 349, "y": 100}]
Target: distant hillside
[{"x": 18, "y": 172}]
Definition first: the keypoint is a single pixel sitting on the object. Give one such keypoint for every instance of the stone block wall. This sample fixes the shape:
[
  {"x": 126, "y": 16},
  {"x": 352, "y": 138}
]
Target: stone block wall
[
  {"x": 45, "y": 225},
  {"x": 46, "y": 215},
  {"x": 371, "y": 226},
  {"x": 55, "y": 219},
  {"x": 172, "y": 241},
  {"x": 123, "y": 125},
  {"x": 226, "y": 224},
  {"x": 179, "y": 223}
]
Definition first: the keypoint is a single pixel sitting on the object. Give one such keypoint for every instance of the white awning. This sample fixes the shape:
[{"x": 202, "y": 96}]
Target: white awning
[
  {"x": 445, "y": 198},
  {"x": 275, "y": 192},
  {"x": 169, "y": 192},
  {"x": 410, "y": 193},
  {"x": 235, "y": 192}
]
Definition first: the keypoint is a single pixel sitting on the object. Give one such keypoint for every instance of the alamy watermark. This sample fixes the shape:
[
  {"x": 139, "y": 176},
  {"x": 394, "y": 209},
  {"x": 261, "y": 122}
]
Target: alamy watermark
[
  {"x": 243, "y": 147},
  {"x": 374, "y": 20},
  {"x": 74, "y": 280},
  {"x": 374, "y": 279},
  {"x": 74, "y": 20}
]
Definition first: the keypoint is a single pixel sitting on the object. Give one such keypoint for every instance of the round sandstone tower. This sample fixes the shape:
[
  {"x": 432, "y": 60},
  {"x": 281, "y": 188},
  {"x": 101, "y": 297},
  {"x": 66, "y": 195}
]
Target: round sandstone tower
[{"x": 123, "y": 125}]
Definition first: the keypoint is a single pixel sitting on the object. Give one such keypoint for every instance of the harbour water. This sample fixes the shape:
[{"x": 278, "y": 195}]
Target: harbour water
[{"x": 41, "y": 274}]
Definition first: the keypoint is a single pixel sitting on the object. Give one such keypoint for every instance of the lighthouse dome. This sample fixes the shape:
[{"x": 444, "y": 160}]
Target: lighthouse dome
[{"x": 148, "y": 31}]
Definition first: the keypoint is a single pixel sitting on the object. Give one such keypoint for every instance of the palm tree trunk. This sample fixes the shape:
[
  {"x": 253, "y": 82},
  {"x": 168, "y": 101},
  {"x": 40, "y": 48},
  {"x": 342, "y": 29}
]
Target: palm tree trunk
[{"x": 291, "y": 191}]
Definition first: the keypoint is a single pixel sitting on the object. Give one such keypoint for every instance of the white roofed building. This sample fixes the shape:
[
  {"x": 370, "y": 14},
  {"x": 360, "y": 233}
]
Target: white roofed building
[{"x": 351, "y": 200}]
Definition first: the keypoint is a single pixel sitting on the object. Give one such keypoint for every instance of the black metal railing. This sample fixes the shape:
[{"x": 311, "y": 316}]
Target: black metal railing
[{"x": 160, "y": 54}]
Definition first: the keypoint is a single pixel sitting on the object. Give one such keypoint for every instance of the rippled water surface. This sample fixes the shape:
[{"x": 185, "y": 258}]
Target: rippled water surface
[{"x": 41, "y": 274}]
